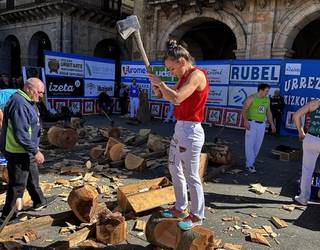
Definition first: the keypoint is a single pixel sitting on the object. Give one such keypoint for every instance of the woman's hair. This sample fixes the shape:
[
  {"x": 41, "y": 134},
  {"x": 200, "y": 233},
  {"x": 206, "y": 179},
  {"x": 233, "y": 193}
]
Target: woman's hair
[{"x": 175, "y": 51}]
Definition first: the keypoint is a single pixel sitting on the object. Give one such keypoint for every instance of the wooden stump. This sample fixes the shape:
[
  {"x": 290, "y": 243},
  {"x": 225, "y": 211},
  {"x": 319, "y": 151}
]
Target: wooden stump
[
  {"x": 83, "y": 202},
  {"x": 64, "y": 138},
  {"x": 111, "y": 228},
  {"x": 165, "y": 233},
  {"x": 75, "y": 122},
  {"x": 111, "y": 142},
  {"x": 219, "y": 154},
  {"x": 96, "y": 152},
  {"x": 116, "y": 152},
  {"x": 155, "y": 143},
  {"x": 133, "y": 162}
]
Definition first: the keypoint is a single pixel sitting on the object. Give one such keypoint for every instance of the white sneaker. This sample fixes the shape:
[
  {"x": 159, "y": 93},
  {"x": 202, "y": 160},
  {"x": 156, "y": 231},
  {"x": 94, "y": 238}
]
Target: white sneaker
[
  {"x": 298, "y": 200},
  {"x": 251, "y": 170}
]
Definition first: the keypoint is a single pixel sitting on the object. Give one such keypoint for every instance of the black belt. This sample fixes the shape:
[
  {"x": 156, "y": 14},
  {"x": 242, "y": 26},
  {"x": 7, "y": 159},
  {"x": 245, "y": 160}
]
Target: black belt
[
  {"x": 255, "y": 121},
  {"x": 318, "y": 135}
]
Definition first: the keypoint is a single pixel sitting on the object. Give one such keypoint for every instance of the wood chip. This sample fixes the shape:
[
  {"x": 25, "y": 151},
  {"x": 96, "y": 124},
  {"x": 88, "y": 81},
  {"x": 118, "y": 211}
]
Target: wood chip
[
  {"x": 254, "y": 215},
  {"x": 217, "y": 243},
  {"x": 279, "y": 223},
  {"x": 259, "y": 238},
  {"x": 229, "y": 246},
  {"x": 140, "y": 225},
  {"x": 104, "y": 189},
  {"x": 30, "y": 236},
  {"x": 255, "y": 231},
  {"x": 257, "y": 188},
  {"x": 231, "y": 218},
  {"x": 89, "y": 178},
  {"x": 268, "y": 229},
  {"x": 88, "y": 165}
]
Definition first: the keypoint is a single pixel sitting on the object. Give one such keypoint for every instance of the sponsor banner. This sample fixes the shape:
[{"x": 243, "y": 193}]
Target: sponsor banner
[
  {"x": 255, "y": 72},
  {"x": 64, "y": 66},
  {"x": 59, "y": 103},
  {"x": 75, "y": 106},
  {"x": 64, "y": 86},
  {"x": 155, "y": 109},
  {"x": 300, "y": 84},
  {"x": 99, "y": 70},
  {"x": 232, "y": 117},
  {"x": 218, "y": 95},
  {"x": 214, "y": 115},
  {"x": 88, "y": 106},
  {"x": 217, "y": 73},
  {"x": 94, "y": 87}
]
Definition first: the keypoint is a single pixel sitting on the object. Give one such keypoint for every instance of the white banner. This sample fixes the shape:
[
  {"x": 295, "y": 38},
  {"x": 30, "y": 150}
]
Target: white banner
[
  {"x": 94, "y": 87},
  {"x": 218, "y": 95},
  {"x": 63, "y": 66},
  {"x": 244, "y": 74},
  {"x": 135, "y": 71},
  {"x": 99, "y": 70},
  {"x": 217, "y": 74}
]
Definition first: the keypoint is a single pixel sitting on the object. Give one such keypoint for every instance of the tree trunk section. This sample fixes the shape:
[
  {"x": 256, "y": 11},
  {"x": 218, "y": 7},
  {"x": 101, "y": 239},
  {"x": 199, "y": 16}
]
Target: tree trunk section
[
  {"x": 155, "y": 143},
  {"x": 116, "y": 152},
  {"x": 64, "y": 138},
  {"x": 219, "y": 154},
  {"x": 143, "y": 113},
  {"x": 111, "y": 142},
  {"x": 133, "y": 162},
  {"x": 83, "y": 202},
  {"x": 96, "y": 152},
  {"x": 111, "y": 228},
  {"x": 165, "y": 233}
]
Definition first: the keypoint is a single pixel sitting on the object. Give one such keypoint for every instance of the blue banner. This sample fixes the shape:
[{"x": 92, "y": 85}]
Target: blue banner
[{"x": 300, "y": 84}]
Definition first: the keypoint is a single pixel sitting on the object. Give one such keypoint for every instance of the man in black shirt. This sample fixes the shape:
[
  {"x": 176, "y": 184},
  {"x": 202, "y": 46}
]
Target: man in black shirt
[{"x": 277, "y": 105}]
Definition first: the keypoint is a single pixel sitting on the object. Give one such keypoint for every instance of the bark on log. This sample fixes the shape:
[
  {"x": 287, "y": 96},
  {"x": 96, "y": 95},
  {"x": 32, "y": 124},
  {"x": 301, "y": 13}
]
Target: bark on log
[
  {"x": 133, "y": 162},
  {"x": 116, "y": 152},
  {"x": 111, "y": 228},
  {"x": 155, "y": 143},
  {"x": 165, "y": 233},
  {"x": 64, "y": 138},
  {"x": 83, "y": 202}
]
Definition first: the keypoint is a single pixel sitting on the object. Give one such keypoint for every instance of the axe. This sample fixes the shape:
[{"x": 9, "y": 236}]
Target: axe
[{"x": 131, "y": 25}]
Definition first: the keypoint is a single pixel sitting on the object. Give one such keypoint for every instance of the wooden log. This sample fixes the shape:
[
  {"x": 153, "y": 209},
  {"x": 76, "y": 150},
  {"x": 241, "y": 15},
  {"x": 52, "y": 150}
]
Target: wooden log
[
  {"x": 111, "y": 228},
  {"x": 110, "y": 132},
  {"x": 138, "y": 140},
  {"x": 155, "y": 155},
  {"x": 4, "y": 176},
  {"x": 111, "y": 142},
  {"x": 165, "y": 233},
  {"x": 96, "y": 152},
  {"x": 133, "y": 162},
  {"x": 219, "y": 153},
  {"x": 155, "y": 143},
  {"x": 116, "y": 164},
  {"x": 83, "y": 202},
  {"x": 64, "y": 138},
  {"x": 75, "y": 122},
  {"x": 203, "y": 165},
  {"x": 116, "y": 152}
]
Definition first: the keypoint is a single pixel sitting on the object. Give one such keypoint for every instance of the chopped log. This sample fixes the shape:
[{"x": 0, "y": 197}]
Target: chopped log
[
  {"x": 4, "y": 176},
  {"x": 111, "y": 228},
  {"x": 110, "y": 132},
  {"x": 116, "y": 164},
  {"x": 138, "y": 140},
  {"x": 64, "y": 138},
  {"x": 111, "y": 142},
  {"x": 83, "y": 202},
  {"x": 133, "y": 162},
  {"x": 155, "y": 143},
  {"x": 218, "y": 153},
  {"x": 165, "y": 233},
  {"x": 259, "y": 238},
  {"x": 203, "y": 165},
  {"x": 116, "y": 152},
  {"x": 75, "y": 122},
  {"x": 279, "y": 223},
  {"x": 143, "y": 112}
]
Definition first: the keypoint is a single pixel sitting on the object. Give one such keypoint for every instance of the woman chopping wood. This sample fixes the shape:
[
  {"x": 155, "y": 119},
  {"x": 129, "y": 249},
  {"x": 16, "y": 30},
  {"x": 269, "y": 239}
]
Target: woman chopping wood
[{"x": 189, "y": 97}]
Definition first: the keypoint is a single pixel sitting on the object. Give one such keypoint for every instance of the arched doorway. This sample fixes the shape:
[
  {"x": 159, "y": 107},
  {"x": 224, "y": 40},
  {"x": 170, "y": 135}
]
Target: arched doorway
[
  {"x": 306, "y": 45},
  {"x": 11, "y": 60},
  {"x": 108, "y": 48},
  {"x": 210, "y": 41},
  {"x": 38, "y": 44}
]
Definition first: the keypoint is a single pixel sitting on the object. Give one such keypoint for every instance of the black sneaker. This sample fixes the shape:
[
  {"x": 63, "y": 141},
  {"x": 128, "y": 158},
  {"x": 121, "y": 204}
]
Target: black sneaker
[{"x": 48, "y": 202}]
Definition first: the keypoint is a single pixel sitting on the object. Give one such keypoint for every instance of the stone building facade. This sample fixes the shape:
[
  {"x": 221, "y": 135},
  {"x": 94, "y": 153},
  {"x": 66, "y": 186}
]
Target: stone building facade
[
  {"x": 87, "y": 27},
  {"x": 229, "y": 29}
]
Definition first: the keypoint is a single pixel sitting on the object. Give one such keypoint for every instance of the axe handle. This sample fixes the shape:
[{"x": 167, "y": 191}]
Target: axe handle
[{"x": 142, "y": 51}]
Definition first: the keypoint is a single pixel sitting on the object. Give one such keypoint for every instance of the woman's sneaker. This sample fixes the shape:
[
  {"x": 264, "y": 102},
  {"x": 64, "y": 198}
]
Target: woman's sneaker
[
  {"x": 172, "y": 212},
  {"x": 298, "y": 200},
  {"x": 189, "y": 222},
  {"x": 251, "y": 170}
]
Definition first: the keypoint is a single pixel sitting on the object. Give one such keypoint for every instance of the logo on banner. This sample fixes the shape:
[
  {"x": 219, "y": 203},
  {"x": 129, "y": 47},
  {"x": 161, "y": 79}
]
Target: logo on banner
[
  {"x": 53, "y": 65},
  {"x": 64, "y": 86},
  {"x": 133, "y": 70},
  {"x": 293, "y": 69},
  {"x": 214, "y": 115},
  {"x": 241, "y": 96},
  {"x": 232, "y": 118}
]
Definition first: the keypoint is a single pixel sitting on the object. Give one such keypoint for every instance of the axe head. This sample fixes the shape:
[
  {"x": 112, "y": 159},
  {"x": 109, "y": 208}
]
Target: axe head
[{"x": 128, "y": 26}]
